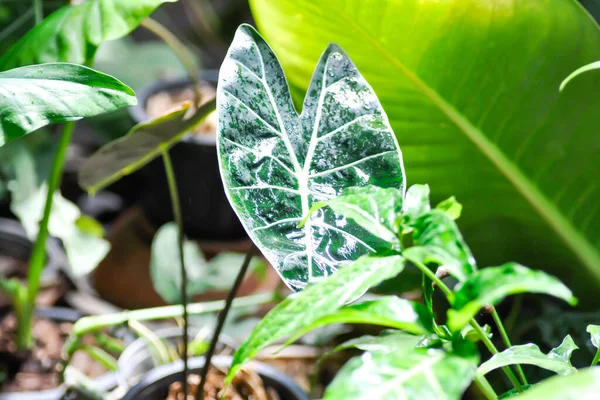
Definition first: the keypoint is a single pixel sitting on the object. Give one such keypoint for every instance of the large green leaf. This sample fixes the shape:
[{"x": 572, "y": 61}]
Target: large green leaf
[
  {"x": 490, "y": 285},
  {"x": 557, "y": 360},
  {"x": 317, "y": 301},
  {"x": 584, "y": 385},
  {"x": 276, "y": 164},
  {"x": 403, "y": 375},
  {"x": 477, "y": 111},
  {"x": 387, "y": 342},
  {"x": 73, "y": 33},
  {"x": 143, "y": 143},
  {"x": 35, "y": 96}
]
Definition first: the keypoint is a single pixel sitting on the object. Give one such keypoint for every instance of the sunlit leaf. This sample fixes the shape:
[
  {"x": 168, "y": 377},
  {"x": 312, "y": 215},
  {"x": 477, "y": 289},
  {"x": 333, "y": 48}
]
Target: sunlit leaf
[
  {"x": 416, "y": 203},
  {"x": 385, "y": 342},
  {"x": 490, "y": 285},
  {"x": 584, "y": 385},
  {"x": 35, "y": 96},
  {"x": 594, "y": 331},
  {"x": 276, "y": 164},
  {"x": 451, "y": 207},
  {"x": 315, "y": 302}
]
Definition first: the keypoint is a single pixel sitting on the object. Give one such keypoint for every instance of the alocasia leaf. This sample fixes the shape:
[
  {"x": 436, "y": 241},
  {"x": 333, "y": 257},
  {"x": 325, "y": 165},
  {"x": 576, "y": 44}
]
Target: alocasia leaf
[
  {"x": 594, "y": 331},
  {"x": 73, "y": 33},
  {"x": 142, "y": 144},
  {"x": 584, "y": 385},
  {"x": 416, "y": 203},
  {"x": 276, "y": 163},
  {"x": 35, "y": 96},
  {"x": 317, "y": 301},
  {"x": 490, "y": 285},
  {"x": 387, "y": 342},
  {"x": 557, "y": 360},
  {"x": 403, "y": 375}
]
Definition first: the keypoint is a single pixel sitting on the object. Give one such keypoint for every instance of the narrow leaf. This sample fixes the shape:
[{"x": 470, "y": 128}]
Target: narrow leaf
[
  {"x": 579, "y": 71},
  {"x": 142, "y": 144},
  {"x": 315, "y": 302},
  {"x": 557, "y": 360},
  {"x": 414, "y": 375},
  {"x": 490, "y": 285},
  {"x": 73, "y": 33},
  {"x": 584, "y": 385},
  {"x": 277, "y": 164},
  {"x": 386, "y": 342},
  {"x": 38, "y": 95}
]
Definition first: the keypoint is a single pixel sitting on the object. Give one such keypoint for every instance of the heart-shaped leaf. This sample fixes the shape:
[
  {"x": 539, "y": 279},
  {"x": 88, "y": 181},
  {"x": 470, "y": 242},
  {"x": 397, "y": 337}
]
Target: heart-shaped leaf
[
  {"x": 35, "y": 96},
  {"x": 317, "y": 301},
  {"x": 276, "y": 164},
  {"x": 142, "y": 144},
  {"x": 73, "y": 33},
  {"x": 490, "y": 285},
  {"x": 557, "y": 360},
  {"x": 583, "y": 385},
  {"x": 413, "y": 375}
]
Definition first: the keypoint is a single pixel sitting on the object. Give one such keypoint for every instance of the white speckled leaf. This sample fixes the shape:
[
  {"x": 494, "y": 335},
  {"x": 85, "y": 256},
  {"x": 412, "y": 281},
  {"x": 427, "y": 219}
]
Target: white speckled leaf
[{"x": 276, "y": 164}]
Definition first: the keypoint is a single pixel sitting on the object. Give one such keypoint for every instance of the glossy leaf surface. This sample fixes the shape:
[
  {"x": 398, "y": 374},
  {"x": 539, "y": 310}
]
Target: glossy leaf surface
[
  {"x": 73, "y": 33},
  {"x": 317, "y": 301},
  {"x": 403, "y": 375},
  {"x": 557, "y": 360},
  {"x": 276, "y": 164},
  {"x": 477, "y": 112},
  {"x": 142, "y": 144},
  {"x": 594, "y": 331},
  {"x": 35, "y": 96},
  {"x": 416, "y": 203},
  {"x": 490, "y": 285},
  {"x": 583, "y": 385},
  {"x": 385, "y": 342}
]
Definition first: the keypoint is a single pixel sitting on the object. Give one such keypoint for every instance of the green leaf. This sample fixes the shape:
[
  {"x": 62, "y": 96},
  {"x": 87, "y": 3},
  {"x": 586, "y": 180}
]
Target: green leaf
[
  {"x": 583, "y": 385},
  {"x": 557, "y": 360},
  {"x": 387, "y": 342},
  {"x": 579, "y": 71},
  {"x": 594, "y": 331},
  {"x": 490, "y": 285},
  {"x": 388, "y": 311},
  {"x": 416, "y": 203},
  {"x": 142, "y": 144},
  {"x": 90, "y": 226},
  {"x": 73, "y": 33},
  {"x": 315, "y": 302},
  {"x": 276, "y": 164},
  {"x": 477, "y": 112},
  {"x": 414, "y": 375},
  {"x": 514, "y": 392},
  {"x": 451, "y": 207},
  {"x": 375, "y": 209},
  {"x": 38, "y": 95}
]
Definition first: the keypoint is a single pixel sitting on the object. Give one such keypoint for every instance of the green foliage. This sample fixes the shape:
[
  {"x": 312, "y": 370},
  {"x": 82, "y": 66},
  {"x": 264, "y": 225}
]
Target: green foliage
[
  {"x": 74, "y": 33},
  {"x": 477, "y": 112},
  {"x": 583, "y": 385},
  {"x": 277, "y": 164},
  {"x": 38, "y": 95},
  {"x": 594, "y": 331}
]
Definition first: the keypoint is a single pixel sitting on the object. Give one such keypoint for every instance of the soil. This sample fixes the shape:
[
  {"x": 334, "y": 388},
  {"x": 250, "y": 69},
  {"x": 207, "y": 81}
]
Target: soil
[
  {"x": 247, "y": 385},
  {"x": 161, "y": 102}
]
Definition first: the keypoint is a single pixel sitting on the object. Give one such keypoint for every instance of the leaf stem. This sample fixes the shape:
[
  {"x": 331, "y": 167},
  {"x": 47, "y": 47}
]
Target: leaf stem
[
  {"x": 482, "y": 335},
  {"x": 596, "y": 357},
  {"x": 508, "y": 344},
  {"x": 175, "y": 205},
  {"x": 484, "y": 385},
  {"x": 38, "y": 254},
  {"x": 221, "y": 321},
  {"x": 38, "y": 10}
]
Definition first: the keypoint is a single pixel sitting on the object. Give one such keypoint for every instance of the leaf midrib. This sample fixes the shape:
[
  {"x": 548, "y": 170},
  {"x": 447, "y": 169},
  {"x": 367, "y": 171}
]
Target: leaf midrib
[{"x": 573, "y": 238}]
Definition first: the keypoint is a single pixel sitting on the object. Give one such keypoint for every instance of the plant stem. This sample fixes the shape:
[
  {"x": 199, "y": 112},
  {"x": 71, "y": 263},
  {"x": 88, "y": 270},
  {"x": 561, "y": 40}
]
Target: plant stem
[
  {"x": 38, "y": 254},
  {"x": 508, "y": 344},
  {"x": 596, "y": 357},
  {"x": 221, "y": 320},
  {"x": 484, "y": 385},
  {"x": 38, "y": 10},
  {"x": 176, "y": 206},
  {"x": 482, "y": 335},
  {"x": 178, "y": 48}
]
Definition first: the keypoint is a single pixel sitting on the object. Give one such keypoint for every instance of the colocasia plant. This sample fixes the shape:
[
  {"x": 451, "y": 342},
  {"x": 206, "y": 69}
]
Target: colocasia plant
[{"x": 323, "y": 195}]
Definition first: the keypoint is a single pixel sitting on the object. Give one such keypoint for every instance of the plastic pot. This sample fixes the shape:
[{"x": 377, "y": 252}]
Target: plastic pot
[
  {"x": 206, "y": 212},
  {"x": 105, "y": 382},
  {"x": 155, "y": 385}
]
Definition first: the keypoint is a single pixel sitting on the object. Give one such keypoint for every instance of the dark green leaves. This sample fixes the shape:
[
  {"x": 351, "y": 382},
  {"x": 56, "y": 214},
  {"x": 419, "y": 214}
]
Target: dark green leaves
[
  {"x": 34, "y": 96},
  {"x": 141, "y": 145},
  {"x": 315, "y": 302},
  {"x": 403, "y": 375},
  {"x": 73, "y": 33},
  {"x": 557, "y": 360},
  {"x": 490, "y": 285},
  {"x": 277, "y": 164}
]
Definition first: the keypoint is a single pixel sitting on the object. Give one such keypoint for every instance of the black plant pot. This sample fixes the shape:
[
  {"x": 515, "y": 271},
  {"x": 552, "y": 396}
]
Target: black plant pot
[
  {"x": 155, "y": 386},
  {"x": 207, "y": 214},
  {"x": 105, "y": 382}
]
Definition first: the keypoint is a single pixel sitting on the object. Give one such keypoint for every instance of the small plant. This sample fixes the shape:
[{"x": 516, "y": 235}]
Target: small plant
[{"x": 325, "y": 190}]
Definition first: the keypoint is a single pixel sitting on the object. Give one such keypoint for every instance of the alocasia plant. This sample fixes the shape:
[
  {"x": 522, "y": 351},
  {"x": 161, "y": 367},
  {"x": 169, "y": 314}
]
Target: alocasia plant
[{"x": 269, "y": 159}]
